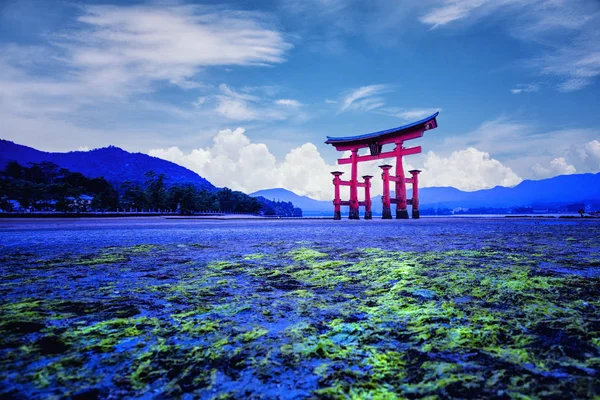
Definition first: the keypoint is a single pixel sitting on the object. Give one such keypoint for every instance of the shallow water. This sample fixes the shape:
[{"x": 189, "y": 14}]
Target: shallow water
[
  {"x": 149, "y": 307},
  {"x": 238, "y": 236}
]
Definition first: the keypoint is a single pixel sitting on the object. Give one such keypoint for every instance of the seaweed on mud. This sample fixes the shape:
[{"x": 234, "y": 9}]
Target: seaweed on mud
[{"x": 365, "y": 323}]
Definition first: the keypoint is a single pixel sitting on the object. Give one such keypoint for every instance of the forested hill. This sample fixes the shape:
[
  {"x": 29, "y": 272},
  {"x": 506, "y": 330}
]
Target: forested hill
[{"x": 114, "y": 164}]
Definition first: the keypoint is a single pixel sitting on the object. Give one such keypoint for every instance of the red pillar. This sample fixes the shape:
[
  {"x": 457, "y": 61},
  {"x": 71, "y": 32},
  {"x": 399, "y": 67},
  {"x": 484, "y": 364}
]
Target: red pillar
[
  {"x": 368, "y": 212},
  {"x": 337, "y": 201},
  {"x": 415, "y": 193},
  {"x": 385, "y": 198},
  {"x": 401, "y": 211},
  {"x": 354, "y": 213}
]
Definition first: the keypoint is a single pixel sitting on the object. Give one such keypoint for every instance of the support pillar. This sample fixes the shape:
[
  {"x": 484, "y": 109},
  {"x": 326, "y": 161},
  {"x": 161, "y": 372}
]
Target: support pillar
[
  {"x": 337, "y": 201},
  {"x": 401, "y": 211},
  {"x": 415, "y": 193},
  {"x": 386, "y": 212},
  {"x": 354, "y": 212},
  {"x": 368, "y": 212}
]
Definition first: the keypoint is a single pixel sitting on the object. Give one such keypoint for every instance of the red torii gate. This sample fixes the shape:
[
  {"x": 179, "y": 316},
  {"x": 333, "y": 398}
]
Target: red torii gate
[{"x": 375, "y": 142}]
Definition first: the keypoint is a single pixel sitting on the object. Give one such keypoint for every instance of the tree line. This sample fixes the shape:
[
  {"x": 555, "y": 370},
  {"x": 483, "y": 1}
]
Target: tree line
[{"x": 47, "y": 187}]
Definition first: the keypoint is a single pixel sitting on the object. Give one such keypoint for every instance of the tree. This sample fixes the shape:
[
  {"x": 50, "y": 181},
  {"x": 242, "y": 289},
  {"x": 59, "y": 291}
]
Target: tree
[
  {"x": 183, "y": 198},
  {"x": 13, "y": 170},
  {"x": 133, "y": 196},
  {"x": 156, "y": 192},
  {"x": 188, "y": 203}
]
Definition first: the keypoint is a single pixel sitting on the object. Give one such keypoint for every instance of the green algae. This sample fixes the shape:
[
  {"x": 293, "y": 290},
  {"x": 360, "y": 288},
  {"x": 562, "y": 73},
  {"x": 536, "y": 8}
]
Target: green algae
[
  {"x": 255, "y": 256},
  {"x": 254, "y": 334},
  {"x": 143, "y": 248},
  {"x": 106, "y": 258},
  {"x": 369, "y": 323},
  {"x": 305, "y": 254},
  {"x": 65, "y": 372}
]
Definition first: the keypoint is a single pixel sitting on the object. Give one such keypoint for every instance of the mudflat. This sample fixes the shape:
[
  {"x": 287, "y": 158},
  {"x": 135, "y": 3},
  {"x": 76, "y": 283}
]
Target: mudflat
[{"x": 442, "y": 307}]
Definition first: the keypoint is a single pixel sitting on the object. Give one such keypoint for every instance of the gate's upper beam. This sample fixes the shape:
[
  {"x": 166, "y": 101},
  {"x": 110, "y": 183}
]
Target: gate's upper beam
[{"x": 406, "y": 132}]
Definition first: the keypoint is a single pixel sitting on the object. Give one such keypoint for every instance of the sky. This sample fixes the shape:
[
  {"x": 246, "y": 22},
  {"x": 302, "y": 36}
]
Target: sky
[{"x": 245, "y": 92}]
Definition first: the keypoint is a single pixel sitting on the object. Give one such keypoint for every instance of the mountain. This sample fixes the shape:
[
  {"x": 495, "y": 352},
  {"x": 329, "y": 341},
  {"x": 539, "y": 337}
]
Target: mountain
[
  {"x": 560, "y": 190},
  {"x": 563, "y": 189},
  {"x": 310, "y": 207},
  {"x": 115, "y": 164}
]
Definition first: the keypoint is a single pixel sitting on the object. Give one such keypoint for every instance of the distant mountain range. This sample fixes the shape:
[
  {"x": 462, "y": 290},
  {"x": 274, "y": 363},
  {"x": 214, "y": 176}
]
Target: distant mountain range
[
  {"x": 113, "y": 163},
  {"x": 118, "y": 166},
  {"x": 564, "y": 189}
]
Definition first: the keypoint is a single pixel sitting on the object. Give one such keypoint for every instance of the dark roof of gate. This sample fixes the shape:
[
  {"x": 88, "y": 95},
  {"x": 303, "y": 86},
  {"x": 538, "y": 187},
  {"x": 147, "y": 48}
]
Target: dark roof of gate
[{"x": 376, "y": 135}]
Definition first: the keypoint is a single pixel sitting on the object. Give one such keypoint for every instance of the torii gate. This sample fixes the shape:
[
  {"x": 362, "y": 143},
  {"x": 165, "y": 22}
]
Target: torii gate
[{"x": 375, "y": 142}]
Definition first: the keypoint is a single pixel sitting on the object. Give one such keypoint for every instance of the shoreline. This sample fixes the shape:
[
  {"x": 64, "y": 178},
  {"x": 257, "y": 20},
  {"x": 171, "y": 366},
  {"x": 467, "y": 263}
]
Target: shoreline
[{"x": 238, "y": 217}]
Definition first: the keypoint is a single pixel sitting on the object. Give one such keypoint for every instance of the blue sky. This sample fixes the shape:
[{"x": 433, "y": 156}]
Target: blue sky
[{"x": 244, "y": 92}]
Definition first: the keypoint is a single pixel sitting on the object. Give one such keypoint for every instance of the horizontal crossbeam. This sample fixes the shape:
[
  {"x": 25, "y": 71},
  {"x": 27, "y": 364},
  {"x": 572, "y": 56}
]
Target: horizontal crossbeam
[
  {"x": 404, "y": 152},
  {"x": 395, "y": 201},
  {"x": 349, "y": 183},
  {"x": 347, "y": 203},
  {"x": 398, "y": 179}
]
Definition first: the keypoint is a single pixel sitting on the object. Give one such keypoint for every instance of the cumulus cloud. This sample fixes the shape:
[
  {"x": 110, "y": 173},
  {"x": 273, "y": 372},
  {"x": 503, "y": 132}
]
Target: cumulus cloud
[
  {"x": 591, "y": 155},
  {"x": 468, "y": 170},
  {"x": 233, "y": 160},
  {"x": 558, "y": 166}
]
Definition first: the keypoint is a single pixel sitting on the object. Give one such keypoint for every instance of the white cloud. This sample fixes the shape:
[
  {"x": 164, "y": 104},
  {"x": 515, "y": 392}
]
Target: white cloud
[
  {"x": 512, "y": 138},
  {"x": 578, "y": 64},
  {"x": 453, "y": 10},
  {"x": 591, "y": 153},
  {"x": 171, "y": 42},
  {"x": 525, "y": 88},
  {"x": 368, "y": 98},
  {"x": 233, "y": 160},
  {"x": 521, "y": 145},
  {"x": 409, "y": 114},
  {"x": 200, "y": 101},
  {"x": 558, "y": 166},
  {"x": 566, "y": 29},
  {"x": 238, "y": 106},
  {"x": 288, "y": 102},
  {"x": 117, "y": 51},
  {"x": 365, "y": 98},
  {"x": 468, "y": 170}
]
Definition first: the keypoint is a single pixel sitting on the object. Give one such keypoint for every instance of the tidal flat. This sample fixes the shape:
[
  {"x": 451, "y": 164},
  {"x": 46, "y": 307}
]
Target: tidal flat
[{"x": 430, "y": 308}]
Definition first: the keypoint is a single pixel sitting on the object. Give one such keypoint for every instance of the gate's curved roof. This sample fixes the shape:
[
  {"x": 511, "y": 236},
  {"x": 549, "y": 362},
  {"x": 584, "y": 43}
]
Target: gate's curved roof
[{"x": 380, "y": 134}]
